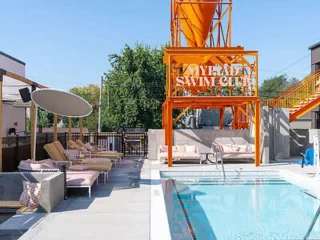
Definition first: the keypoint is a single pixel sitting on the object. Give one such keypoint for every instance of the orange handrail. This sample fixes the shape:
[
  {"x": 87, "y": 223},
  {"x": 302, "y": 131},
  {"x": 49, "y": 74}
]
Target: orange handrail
[{"x": 298, "y": 93}]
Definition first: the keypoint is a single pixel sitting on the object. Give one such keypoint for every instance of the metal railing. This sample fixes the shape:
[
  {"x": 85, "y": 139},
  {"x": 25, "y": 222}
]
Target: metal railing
[
  {"x": 312, "y": 224},
  {"x": 297, "y": 93},
  {"x": 17, "y": 148},
  {"x": 131, "y": 144},
  {"x": 217, "y": 150}
]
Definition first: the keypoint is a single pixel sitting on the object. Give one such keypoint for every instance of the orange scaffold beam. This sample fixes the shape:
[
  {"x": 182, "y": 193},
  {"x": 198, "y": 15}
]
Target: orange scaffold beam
[{"x": 204, "y": 71}]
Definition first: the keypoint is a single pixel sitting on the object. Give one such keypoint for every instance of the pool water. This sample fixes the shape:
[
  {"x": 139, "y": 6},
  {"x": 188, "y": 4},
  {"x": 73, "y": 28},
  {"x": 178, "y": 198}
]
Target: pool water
[
  {"x": 5, "y": 216},
  {"x": 249, "y": 208}
]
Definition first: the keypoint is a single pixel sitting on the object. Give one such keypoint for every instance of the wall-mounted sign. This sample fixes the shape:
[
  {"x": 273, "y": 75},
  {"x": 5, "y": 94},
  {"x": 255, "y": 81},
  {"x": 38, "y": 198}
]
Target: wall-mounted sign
[{"x": 210, "y": 76}]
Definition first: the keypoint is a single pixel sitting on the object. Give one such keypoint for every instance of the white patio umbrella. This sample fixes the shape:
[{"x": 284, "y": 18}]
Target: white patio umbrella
[{"x": 61, "y": 103}]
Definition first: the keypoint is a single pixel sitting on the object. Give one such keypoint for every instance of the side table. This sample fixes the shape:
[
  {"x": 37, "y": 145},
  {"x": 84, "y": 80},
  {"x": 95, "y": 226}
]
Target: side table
[{"x": 207, "y": 160}]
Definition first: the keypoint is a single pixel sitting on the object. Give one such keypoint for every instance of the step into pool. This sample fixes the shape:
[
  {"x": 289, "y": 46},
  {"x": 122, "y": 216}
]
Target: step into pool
[{"x": 245, "y": 206}]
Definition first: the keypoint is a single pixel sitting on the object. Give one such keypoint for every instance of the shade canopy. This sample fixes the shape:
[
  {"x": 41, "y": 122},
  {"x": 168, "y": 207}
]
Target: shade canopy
[{"x": 61, "y": 103}]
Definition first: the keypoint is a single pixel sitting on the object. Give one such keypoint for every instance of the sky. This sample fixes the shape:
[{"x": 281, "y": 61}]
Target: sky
[{"x": 66, "y": 43}]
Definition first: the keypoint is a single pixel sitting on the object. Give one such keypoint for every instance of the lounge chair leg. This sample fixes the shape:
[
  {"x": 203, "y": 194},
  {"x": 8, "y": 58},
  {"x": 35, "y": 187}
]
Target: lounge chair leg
[
  {"x": 97, "y": 181},
  {"x": 89, "y": 192}
]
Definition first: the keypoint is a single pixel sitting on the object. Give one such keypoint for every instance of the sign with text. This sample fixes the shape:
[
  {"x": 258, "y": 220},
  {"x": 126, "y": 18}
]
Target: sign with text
[{"x": 211, "y": 76}]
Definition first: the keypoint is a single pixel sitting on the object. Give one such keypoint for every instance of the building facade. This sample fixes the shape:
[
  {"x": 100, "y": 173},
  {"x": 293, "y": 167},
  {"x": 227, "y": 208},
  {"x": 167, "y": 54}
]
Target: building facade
[
  {"x": 12, "y": 117},
  {"x": 315, "y": 66}
]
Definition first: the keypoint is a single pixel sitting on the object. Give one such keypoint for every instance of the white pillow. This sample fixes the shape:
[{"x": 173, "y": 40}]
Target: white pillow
[
  {"x": 227, "y": 148},
  {"x": 181, "y": 148},
  {"x": 190, "y": 149}
]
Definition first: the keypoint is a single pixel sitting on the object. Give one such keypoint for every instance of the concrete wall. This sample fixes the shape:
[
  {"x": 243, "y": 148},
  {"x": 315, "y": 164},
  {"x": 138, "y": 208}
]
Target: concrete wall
[
  {"x": 10, "y": 115},
  {"x": 265, "y": 140},
  {"x": 202, "y": 138},
  {"x": 276, "y": 139},
  {"x": 52, "y": 188},
  {"x": 305, "y": 122},
  {"x": 299, "y": 141},
  {"x": 279, "y": 131}
]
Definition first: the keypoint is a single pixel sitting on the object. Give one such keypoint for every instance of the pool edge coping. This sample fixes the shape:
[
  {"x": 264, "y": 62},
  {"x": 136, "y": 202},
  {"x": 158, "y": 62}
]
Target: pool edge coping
[{"x": 159, "y": 224}]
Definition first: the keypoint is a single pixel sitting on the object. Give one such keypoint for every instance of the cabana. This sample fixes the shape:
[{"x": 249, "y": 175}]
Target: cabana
[{"x": 10, "y": 84}]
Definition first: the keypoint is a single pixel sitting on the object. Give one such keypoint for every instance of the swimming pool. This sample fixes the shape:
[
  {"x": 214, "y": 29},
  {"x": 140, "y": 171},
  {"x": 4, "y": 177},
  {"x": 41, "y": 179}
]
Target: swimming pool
[
  {"x": 249, "y": 205},
  {"x": 5, "y": 216}
]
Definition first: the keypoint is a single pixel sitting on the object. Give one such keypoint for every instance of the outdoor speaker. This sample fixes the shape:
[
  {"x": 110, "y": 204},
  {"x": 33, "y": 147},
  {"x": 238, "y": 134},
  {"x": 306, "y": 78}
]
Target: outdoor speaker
[{"x": 25, "y": 94}]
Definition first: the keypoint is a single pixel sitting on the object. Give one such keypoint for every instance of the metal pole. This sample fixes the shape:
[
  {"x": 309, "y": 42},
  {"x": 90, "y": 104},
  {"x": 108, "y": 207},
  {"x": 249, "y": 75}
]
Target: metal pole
[
  {"x": 70, "y": 129},
  {"x": 312, "y": 223},
  {"x": 55, "y": 127},
  {"x": 100, "y": 102},
  {"x": 34, "y": 150},
  {"x": 1, "y": 82},
  {"x": 108, "y": 101}
]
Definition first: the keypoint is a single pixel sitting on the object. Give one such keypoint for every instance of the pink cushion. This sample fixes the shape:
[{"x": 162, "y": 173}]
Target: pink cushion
[
  {"x": 78, "y": 167},
  {"x": 72, "y": 154},
  {"x": 30, "y": 195},
  {"x": 109, "y": 151},
  {"x": 25, "y": 163},
  {"x": 84, "y": 150},
  {"x": 82, "y": 178},
  {"x": 43, "y": 164},
  {"x": 88, "y": 146},
  {"x": 46, "y": 164},
  {"x": 96, "y": 160}
]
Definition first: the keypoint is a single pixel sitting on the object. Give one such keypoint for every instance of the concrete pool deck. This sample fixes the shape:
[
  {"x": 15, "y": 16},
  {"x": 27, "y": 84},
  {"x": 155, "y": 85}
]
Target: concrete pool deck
[{"x": 120, "y": 209}]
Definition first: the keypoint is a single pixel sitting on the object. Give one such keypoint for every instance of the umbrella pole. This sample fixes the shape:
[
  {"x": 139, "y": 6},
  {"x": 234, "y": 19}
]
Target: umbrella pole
[{"x": 35, "y": 132}]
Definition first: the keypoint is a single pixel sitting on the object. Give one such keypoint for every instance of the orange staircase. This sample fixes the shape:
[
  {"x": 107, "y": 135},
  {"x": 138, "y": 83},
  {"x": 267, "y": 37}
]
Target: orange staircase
[{"x": 299, "y": 98}]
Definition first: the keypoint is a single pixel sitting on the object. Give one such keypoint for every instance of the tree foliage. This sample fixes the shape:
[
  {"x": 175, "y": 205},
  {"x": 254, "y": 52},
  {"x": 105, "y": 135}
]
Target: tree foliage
[
  {"x": 134, "y": 88},
  {"x": 90, "y": 93},
  {"x": 274, "y": 86}
]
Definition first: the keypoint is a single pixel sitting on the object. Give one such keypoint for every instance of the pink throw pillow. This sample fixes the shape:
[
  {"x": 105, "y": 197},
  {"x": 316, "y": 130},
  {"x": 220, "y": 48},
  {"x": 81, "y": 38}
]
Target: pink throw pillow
[
  {"x": 163, "y": 149},
  {"x": 31, "y": 194}
]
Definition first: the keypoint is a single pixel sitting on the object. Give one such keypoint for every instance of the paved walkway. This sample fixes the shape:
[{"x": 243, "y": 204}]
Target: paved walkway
[{"x": 120, "y": 209}]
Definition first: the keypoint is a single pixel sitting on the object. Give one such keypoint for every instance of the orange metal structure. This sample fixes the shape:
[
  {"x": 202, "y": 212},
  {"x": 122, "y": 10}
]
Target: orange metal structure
[
  {"x": 205, "y": 72},
  {"x": 299, "y": 98}
]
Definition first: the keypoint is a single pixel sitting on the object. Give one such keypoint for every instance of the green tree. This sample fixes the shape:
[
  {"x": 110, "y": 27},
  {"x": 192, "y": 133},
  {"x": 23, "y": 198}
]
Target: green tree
[
  {"x": 91, "y": 94},
  {"x": 134, "y": 88},
  {"x": 274, "y": 86}
]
